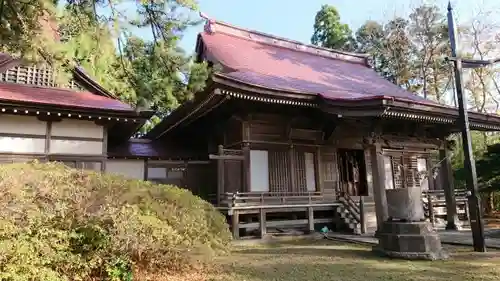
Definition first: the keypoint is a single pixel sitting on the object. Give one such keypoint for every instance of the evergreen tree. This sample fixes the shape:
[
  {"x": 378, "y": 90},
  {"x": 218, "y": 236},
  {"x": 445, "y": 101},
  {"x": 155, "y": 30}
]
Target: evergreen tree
[
  {"x": 329, "y": 32},
  {"x": 144, "y": 73}
]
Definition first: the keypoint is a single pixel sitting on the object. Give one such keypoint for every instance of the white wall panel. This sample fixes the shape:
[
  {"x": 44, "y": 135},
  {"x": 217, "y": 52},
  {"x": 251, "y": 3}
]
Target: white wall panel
[
  {"x": 14, "y": 124},
  {"x": 157, "y": 173},
  {"x": 259, "y": 171},
  {"x": 132, "y": 169},
  {"x": 22, "y": 145},
  {"x": 76, "y": 147},
  {"x": 77, "y": 128},
  {"x": 310, "y": 175}
]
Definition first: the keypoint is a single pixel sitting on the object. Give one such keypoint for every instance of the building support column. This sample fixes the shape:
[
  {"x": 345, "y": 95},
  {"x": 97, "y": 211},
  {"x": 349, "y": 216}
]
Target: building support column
[
  {"x": 246, "y": 168},
  {"x": 220, "y": 175},
  {"x": 378, "y": 175},
  {"x": 449, "y": 189}
]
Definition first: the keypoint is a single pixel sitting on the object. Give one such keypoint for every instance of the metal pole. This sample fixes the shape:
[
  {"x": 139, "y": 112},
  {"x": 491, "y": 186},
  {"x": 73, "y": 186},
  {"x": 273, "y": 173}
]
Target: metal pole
[{"x": 475, "y": 211}]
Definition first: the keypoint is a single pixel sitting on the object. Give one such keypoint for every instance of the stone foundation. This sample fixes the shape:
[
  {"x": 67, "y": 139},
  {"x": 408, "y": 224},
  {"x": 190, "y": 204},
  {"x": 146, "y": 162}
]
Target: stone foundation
[{"x": 409, "y": 240}]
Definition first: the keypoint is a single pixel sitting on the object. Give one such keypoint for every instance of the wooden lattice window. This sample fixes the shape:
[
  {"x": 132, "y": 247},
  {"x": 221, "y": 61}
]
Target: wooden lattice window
[
  {"x": 329, "y": 168},
  {"x": 300, "y": 171},
  {"x": 279, "y": 172},
  {"x": 412, "y": 177},
  {"x": 42, "y": 76},
  {"x": 405, "y": 170},
  {"x": 32, "y": 75},
  {"x": 397, "y": 171}
]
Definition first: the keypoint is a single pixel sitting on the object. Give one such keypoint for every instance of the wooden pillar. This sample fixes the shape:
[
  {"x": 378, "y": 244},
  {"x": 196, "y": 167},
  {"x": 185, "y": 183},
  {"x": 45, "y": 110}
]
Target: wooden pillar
[
  {"x": 292, "y": 169},
  {"x": 449, "y": 189},
  {"x": 246, "y": 168},
  {"x": 362, "y": 217},
  {"x": 310, "y": 219},
  {"x": 146, "y": 165},
  {"x": 262, "y": 221},
  {"x": 104, "y": 147},
  {"x": 378, "y": 174},
  {"x": 318, "y": 173},
  {"x": 430, "y": 173},
  {"x": 48, "y": 136},
  {"x": 235, "y": 224},
  {"x": 220, "y": 175}
]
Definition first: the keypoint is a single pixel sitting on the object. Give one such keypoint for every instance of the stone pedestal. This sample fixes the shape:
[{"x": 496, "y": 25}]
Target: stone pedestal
[
  {"x": 406, "y": 234},
  {"x": 409, "y": 240},
  {"x": 405, "y": 204}
]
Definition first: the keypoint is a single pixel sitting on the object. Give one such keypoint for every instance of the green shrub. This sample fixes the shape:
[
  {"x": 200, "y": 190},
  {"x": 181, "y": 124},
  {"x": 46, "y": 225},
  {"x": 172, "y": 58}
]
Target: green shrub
[{"x": 58, "y": 223}]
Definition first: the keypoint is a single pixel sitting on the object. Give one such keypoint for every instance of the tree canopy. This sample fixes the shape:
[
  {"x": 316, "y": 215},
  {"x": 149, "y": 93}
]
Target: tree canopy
[
  {"x": 410, "y": 51},
  {"x": 329, "y": 32},
  {"x": 150, "y": 71}
]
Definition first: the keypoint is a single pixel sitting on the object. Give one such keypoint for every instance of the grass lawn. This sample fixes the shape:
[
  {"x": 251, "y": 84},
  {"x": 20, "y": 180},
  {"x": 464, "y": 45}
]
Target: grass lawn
[{"x": 328, "y": 260}]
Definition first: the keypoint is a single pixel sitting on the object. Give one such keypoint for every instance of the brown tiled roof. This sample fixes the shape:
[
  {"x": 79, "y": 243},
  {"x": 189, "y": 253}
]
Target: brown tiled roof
[
  {"x": 12, "y": 92},
  {"x": 276, "y": 63}
]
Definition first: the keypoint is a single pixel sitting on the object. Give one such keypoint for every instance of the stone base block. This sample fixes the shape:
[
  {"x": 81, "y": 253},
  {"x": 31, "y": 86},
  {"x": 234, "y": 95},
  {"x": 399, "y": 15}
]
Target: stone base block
[{"x": 409, "y": 240}]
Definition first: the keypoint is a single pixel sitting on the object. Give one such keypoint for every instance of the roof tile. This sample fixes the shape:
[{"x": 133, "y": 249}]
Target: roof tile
[
  {"x": 12, "y": 92},
  {"x": 248, "y": 58}
]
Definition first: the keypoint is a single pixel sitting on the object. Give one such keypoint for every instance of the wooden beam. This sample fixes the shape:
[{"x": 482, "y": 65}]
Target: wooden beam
[
  {"x": 318, "y": 173},
  {"x": 146, "y": 166},
  {"x": 246, "y": 167},
  {"x": 328, "y": 130},
  {"x": 104, "y": 147},
  {"x": 430, "y": 172},
  {"x": 48, "y": 135},
  {"x": 220, "y": 175},
  {"x": 225, "y": 157}
]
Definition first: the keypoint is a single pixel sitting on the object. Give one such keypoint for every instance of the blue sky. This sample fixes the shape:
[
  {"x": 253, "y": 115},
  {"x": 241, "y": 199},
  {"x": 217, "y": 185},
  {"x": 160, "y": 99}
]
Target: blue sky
[{"x": 295, "y": 21}]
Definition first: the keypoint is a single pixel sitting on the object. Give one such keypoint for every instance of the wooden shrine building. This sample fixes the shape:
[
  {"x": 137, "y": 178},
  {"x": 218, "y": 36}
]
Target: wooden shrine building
[
  {"x": 293, "y": 135},
  {"x": 75, "y": 123},
  {"x": 284, "y": 136}
]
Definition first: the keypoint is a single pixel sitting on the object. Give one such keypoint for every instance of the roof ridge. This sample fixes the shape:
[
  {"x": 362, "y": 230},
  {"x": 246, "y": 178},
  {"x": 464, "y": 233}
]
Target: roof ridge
[{"x": 214, "y": 26}]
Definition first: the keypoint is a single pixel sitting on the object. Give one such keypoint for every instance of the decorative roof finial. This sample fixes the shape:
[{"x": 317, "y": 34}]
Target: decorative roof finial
[
  {"x": 204, "y": 16},
  {"x": 210, "y": 24},
  {"x": 449, "y": 6}
]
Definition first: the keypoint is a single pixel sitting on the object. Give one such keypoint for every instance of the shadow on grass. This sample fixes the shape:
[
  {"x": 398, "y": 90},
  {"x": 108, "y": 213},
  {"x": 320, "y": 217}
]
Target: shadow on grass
[
  {"x": 313, "y": 251},
  {"x": 309, "y": 261}
]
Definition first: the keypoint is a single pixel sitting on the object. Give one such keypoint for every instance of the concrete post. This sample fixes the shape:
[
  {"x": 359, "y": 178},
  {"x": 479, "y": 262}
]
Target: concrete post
[
  {"x": 378, "y": 174},
  {"x": 449, "y": 189}
]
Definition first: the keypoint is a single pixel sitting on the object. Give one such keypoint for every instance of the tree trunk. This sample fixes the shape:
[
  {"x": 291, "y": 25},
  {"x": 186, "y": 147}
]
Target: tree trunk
[{"x": 488, "y": 206}]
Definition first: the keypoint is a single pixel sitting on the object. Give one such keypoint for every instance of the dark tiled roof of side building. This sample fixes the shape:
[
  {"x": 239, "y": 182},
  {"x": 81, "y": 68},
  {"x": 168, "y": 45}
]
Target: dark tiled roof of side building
[{"x": 12, "y": 92}]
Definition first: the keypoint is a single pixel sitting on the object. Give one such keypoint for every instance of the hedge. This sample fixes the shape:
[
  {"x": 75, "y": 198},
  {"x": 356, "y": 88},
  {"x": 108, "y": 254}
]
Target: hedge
[{"x": 58, "y": 223}]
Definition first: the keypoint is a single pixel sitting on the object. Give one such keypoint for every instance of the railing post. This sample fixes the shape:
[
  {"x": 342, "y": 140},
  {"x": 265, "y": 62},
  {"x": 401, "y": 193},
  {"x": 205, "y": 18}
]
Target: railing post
[
  {"x": 233, "y": 203},
  {"x": 262, "y": 221},
  {"x": 362, "y": 214},
  {"x": 235, "y": 221},
  {"x": 310, "y": 219}
]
